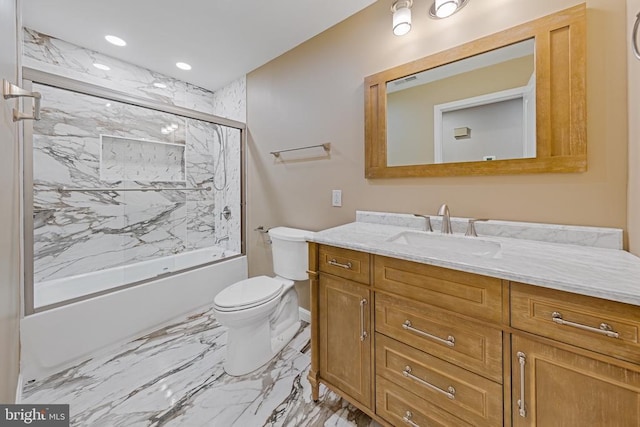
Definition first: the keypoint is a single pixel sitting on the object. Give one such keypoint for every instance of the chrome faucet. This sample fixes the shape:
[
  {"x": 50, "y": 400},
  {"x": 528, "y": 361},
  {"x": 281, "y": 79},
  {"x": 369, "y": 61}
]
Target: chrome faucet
[{"x": 446, "y": 219}]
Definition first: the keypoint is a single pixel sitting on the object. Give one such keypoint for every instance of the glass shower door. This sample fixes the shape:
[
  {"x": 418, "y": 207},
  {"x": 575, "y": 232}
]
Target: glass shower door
[{"x": 124, "y": 194}]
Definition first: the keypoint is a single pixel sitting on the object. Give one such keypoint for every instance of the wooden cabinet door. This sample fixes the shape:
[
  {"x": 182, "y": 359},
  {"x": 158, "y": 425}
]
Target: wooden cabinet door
[
  {"x": 553, "y": 387},
  {"x": 345, "y": 337}
]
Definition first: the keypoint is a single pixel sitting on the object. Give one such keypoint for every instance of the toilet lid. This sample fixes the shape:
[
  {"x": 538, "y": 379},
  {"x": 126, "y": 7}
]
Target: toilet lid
[{"x": 249, "y": 292}]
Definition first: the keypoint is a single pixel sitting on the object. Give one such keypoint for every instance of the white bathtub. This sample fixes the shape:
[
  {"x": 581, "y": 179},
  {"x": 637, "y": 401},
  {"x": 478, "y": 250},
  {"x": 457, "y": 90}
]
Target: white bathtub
[
  {"x": 58, "y": 338},
  {"x": 68, "y": 288}
]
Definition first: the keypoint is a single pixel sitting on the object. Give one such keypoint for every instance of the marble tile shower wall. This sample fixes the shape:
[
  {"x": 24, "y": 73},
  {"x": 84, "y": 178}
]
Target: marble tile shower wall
[
  {"x": 78, "y": 232},
  {"x": 56, "y": 56}
]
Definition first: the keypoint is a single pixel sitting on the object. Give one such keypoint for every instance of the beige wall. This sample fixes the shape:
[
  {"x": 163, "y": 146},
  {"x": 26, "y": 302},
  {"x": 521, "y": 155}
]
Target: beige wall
[
  {"x": 9, "y": 246},
  {"x": 633, "y": 7},
  {"x": 410, "y": 112},
  {"x": 314, "y": 94}
]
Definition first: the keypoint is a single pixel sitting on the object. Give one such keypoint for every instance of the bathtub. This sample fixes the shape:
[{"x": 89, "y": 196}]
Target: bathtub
[
  {"x": 68, "y": 288},
  {"x": 55, "y": 339}
]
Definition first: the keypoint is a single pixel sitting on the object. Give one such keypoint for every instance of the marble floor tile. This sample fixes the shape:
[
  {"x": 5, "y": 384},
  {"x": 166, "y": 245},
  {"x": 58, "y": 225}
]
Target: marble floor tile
[{"x": 174, "y": 377}]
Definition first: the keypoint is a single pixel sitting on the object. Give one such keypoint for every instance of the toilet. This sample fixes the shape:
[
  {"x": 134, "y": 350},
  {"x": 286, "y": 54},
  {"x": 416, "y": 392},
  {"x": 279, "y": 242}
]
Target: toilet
[{"x": 261, "y": 313}]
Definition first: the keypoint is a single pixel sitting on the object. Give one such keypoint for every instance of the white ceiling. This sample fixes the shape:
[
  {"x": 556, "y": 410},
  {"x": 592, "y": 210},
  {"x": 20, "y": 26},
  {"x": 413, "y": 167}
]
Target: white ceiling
[{"x": 221, "y": 39}]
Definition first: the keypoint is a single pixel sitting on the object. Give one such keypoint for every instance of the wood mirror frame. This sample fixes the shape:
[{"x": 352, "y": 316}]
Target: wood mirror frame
[{"x": 561, "y": 134}]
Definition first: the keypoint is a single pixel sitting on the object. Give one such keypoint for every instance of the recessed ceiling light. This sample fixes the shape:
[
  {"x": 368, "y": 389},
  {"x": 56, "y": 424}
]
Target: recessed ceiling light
[
  {"x": 115, "y": 40},
  {"x": 160, "y": 85},
  {"x": 183, "y": 66},
  {"x": 108, "y": 104},
  {"x": 101, "y": 67}
]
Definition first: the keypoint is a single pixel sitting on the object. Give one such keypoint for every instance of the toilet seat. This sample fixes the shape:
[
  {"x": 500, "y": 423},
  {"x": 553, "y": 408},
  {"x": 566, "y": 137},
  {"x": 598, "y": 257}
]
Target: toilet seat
[{"x": 248, "y": 293}]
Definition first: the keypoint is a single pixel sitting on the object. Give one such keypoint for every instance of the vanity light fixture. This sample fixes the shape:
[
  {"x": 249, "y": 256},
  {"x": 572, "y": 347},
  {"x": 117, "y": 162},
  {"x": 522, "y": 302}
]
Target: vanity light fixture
[
  {"x": 114, "y": 40},
  {"x": 401, "y": 10},
  {"x": 441, "y": 9},
  {"x": 183, "y": 66},
  {"x": 101, "y": 66}
]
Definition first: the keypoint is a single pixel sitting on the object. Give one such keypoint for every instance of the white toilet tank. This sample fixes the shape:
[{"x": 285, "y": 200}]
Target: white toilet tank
[{"x": 290, "y": 252}]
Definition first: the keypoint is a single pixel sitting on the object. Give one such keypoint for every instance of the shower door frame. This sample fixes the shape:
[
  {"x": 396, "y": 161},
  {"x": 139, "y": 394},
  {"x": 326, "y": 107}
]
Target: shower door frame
[{"x": 30, "y": 76}]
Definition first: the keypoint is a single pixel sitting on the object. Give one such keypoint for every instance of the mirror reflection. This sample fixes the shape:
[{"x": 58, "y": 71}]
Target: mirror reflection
[{"x": 480, "y": 108}]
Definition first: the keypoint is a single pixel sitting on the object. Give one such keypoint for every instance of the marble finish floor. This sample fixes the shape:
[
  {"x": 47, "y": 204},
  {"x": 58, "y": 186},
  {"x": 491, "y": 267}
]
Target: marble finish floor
[{"x": 174, "y": 377}]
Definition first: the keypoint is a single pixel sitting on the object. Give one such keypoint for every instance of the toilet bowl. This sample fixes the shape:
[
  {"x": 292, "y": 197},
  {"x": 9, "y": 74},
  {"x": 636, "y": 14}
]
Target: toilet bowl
[{"x": 261, "y": 313}]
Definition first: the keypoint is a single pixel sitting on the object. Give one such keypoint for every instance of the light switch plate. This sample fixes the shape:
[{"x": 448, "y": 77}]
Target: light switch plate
[{"x": 336, "y": 198}]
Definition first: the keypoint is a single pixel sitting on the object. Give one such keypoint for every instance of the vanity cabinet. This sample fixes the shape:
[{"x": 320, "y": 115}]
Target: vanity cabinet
[{"x": 416, "y": 344}]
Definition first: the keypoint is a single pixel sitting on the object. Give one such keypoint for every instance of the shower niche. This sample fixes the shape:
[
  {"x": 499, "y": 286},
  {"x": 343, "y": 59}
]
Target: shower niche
[{"x": 129, "y": 159}]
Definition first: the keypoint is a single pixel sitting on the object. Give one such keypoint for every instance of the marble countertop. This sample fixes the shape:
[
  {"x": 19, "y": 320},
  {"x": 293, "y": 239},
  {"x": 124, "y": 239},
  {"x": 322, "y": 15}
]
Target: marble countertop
[{"x": 612, "y": 274}]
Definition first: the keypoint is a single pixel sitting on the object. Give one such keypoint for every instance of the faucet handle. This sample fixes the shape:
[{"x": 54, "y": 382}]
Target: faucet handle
[
  {"x": 471, "y": 228},
  {"x": 427, "y": 225}
]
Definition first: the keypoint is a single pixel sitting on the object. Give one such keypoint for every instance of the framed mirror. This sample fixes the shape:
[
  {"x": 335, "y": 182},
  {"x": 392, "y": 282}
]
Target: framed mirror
[{"x": 509, "y": 103}]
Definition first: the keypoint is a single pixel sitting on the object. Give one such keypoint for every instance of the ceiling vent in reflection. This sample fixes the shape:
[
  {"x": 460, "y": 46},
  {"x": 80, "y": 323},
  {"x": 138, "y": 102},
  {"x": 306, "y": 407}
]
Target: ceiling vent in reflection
[{"x": 405, "y": 80}]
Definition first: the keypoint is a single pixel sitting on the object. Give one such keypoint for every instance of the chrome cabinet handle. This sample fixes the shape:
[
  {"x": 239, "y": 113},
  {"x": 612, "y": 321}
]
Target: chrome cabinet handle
[
  {"x": 363, "y": 333},
  {"x": 634, "y": 37},
  {"x": 407, "y": 419},
  {"x": 337, "y": 264},
  {"x": 604, "y": 329},
  {"x": 522, "y": 360},
  {"x": 450, "y": 392},
  {"x": 450, "y": 341}
]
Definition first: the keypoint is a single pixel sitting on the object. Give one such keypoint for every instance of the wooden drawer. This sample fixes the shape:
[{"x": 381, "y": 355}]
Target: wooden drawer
[
  {"x": 352, "y": 265},
  {"x": 533, "y": 309},
  {"x": 470, "y": 397},
  {"x": 399, "y": 407},
  {"x": 471, "y": 345},
  {"x": 470, "y": 294}
]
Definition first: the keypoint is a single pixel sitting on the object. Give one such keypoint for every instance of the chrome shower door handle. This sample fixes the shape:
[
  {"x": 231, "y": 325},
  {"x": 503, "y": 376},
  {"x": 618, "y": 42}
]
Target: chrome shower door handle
[
  {"x": 363, "y": 333},
  {"x": 634, "y": 37},
  {"x": 9, "y": 91}
]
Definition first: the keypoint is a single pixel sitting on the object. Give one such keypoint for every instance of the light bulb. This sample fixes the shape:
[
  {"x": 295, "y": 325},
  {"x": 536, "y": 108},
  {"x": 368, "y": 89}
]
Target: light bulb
[
  {"x": 115, "y": 40},
  {"x": 401, "y": 21},
  {"x": 445, "y": 8}
]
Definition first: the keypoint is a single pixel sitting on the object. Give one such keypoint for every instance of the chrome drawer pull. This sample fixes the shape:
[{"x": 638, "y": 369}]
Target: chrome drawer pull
[
  {"x": 605, "y": 328},
  {"x": 337, "y": 264},
  {"x": 407, "y": 419},
  {"x": 450, "y": 341},
  {"x": 450, "y": 392},
  {"x": 522, "y": 359},
  {"x": 363, "y": 333}
]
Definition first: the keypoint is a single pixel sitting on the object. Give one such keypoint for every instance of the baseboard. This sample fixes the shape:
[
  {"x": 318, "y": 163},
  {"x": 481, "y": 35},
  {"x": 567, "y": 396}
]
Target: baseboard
[
  {"x": 19, "y": 389},
  {"x": 305, "y": 315}
]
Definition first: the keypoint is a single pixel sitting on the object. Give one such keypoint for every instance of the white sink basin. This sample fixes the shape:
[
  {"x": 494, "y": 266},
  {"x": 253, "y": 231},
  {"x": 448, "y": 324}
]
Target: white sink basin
[{"x": 447, "y": 243}]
